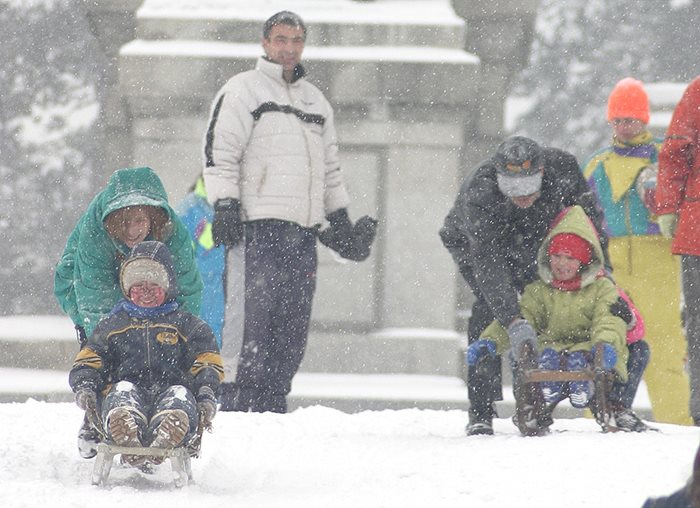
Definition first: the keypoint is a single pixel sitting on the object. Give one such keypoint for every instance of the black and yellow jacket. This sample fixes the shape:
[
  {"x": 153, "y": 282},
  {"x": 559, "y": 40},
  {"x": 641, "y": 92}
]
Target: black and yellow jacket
[{"x": 154, "y": 348}]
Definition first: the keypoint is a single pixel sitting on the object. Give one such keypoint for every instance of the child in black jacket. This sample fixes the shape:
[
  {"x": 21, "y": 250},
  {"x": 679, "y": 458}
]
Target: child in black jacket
[{"x": 157, "y": 366}]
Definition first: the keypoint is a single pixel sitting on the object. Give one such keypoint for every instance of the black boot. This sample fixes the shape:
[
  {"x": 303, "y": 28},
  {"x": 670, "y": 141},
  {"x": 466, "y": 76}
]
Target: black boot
[
  {"x": 484, "y": 387},
  {"x": 627, "y": 420},
  {"x": 480, "y": 421}
]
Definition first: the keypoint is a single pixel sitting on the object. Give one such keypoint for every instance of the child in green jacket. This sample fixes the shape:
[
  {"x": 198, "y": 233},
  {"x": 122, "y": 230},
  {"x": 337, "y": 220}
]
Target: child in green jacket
[{"x": 569, "y": 309}]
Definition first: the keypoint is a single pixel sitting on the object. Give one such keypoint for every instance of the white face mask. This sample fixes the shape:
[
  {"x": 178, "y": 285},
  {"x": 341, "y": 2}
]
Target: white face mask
[{"x": 519, "y": 185}]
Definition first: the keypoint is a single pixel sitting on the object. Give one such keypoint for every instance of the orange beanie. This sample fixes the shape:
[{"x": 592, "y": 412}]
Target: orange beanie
[{"x": 629, "y": 100}]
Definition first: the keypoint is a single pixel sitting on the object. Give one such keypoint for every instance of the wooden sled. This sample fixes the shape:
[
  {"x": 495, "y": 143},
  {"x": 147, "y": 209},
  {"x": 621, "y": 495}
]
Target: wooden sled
[
  {"x": 530, "y": 405},
  {"x": 179, "y": 457}
]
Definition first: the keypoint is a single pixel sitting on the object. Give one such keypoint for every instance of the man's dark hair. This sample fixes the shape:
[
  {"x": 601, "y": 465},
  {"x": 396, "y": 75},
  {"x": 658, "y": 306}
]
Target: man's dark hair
[{"x": 283, "y": 18}]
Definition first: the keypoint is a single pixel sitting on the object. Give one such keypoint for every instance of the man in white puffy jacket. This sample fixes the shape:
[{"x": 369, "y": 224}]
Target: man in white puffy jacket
[{"x": 272, "y": 173}]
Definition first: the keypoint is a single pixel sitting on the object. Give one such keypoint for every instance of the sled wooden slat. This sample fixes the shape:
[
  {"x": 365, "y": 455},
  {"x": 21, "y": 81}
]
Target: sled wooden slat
[{"x": 540, "y": 375}]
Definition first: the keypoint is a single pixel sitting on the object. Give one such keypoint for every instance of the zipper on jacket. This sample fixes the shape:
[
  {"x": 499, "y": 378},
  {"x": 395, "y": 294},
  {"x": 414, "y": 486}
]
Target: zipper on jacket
[
  {"x": 628, "y": 224},
  {"x": 148, "y": 351},
  {"x": 308, "y": 156}
]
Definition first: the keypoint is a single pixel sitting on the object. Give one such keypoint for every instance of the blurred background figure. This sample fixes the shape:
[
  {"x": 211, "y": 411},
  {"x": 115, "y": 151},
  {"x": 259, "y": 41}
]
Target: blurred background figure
[
  {"x": 678, "y": 206},
  {"x": 197, "y": 215}
]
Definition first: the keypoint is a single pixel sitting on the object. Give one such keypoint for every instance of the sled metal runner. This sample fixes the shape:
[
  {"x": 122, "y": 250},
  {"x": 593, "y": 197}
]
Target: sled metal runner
[{"x": 179, "y": 461}]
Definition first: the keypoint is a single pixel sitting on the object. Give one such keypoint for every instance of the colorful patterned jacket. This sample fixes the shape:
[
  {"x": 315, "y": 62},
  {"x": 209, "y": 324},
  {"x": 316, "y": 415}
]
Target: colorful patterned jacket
[{"x": 612, "y": 173}]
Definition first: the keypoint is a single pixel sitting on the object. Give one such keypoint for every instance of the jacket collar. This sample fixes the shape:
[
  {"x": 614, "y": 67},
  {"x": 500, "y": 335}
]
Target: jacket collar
[{"x": 275, "y": 71}]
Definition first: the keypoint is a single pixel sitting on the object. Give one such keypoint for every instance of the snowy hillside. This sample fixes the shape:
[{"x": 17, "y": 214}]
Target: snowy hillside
[{"x": 319, "y": 457}]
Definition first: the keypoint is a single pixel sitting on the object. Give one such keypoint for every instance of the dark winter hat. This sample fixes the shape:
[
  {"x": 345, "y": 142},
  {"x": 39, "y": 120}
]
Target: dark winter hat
[
  {"x": 519, "y": 164},
  {"x": 571, "y": 245},
  {"x": 283, "y": 18},
  {"x": 149, "y": 261}
]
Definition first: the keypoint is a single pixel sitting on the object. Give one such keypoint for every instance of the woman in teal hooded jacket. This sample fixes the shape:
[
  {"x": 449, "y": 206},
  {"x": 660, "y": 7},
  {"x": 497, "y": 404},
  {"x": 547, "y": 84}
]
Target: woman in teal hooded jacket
[
  {"x": 86, "y": 281},
  {"x": 132, "y": 208}
]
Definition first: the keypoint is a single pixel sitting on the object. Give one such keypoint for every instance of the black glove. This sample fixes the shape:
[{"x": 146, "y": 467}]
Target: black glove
[
  {"x": 621, "y": 309},
  {"x": 227, "y": 227},
  {"x": 85, "y": 398},
  {"x": 350, "y": 242},
  {"x": 206, "y": 405},
  {"x": 365, "y": 231}
]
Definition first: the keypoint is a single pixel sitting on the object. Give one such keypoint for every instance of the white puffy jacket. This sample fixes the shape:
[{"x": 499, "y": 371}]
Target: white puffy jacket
[{"x": 272, "y": 144}]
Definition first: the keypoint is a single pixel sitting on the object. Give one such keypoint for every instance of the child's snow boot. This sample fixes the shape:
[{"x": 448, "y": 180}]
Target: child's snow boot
[
  {"x": 171, "y": 430},
  {"x": 125, "y": 432},
  {"x": 580, "y": 392},
  {"x": 551, "y": 390}
]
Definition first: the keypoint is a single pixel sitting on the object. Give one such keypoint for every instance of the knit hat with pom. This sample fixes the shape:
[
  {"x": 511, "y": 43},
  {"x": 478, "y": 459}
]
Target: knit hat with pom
[{"x": 629, "y": 100}]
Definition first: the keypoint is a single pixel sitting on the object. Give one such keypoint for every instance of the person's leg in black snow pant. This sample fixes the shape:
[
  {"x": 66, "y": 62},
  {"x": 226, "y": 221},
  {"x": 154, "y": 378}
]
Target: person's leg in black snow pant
[{"x": 280, "y": 280}]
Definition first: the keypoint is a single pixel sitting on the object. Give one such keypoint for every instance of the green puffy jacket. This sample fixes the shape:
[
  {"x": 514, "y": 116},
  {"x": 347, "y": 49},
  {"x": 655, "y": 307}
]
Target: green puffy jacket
[
  {"x": 86, "y": 282},
  {"x": 572, "y": 320}
]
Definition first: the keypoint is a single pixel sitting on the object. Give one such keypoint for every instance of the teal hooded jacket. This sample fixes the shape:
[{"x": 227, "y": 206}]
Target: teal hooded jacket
[{"x": 86, "y": 282}]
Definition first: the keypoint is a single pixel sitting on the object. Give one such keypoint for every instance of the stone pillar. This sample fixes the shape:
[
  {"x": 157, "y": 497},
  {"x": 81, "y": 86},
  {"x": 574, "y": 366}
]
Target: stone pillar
[
  {"x": 500, "y": 32},
  {"x": 114, "y": 24}
]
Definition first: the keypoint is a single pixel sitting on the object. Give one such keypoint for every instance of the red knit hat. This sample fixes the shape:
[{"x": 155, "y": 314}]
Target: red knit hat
[
  {"x": 628, "y": 100},
  {"x": 571, "y": 245}
]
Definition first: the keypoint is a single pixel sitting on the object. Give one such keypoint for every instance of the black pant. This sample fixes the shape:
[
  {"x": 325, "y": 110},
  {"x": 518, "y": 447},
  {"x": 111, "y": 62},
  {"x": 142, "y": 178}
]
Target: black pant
[
  {"x": 280, "y": 281},
  {"x": 484, "y": 384}
]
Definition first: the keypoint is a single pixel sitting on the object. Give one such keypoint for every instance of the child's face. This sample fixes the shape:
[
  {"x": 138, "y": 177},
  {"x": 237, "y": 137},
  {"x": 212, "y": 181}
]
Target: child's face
[
  {"x": 147, "y": 294},
  {"x": 564, "y": 267},
  {"x": 625, "y": 129}
]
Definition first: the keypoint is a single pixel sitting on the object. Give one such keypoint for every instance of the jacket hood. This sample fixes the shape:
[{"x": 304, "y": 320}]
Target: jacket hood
[
  {"x": 133, "y": 187},
  {"x": 153, "y": 251},
  {"x": 572, "y": 220}
]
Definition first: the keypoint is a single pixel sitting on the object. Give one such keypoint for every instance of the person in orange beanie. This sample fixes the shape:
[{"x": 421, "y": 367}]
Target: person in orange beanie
[{"x": 623, "y": 176}]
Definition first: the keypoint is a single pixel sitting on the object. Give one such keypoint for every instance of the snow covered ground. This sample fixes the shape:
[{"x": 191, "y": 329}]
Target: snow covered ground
[{"x": 320, "y": 457}]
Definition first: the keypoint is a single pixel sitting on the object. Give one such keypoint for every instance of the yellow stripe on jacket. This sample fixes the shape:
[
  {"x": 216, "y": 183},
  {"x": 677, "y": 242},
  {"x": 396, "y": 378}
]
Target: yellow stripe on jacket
[
  {"x": 208, "y": 359},
  {"x": 88, "y": 357}
]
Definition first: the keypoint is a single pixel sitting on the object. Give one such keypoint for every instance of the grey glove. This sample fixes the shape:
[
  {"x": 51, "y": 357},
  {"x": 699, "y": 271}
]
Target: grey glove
[
  {"x": 521, "y": 331},
  {"x": 208, "y": 411},
  {"x": 85, "y": 398},
  {"x": 206, "y": 405}
]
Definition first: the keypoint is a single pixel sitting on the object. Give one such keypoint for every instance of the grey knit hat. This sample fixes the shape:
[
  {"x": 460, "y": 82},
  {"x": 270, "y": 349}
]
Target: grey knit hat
[
  {"x": 144, "y": 270},
  {"x": 149, "y": 261}
]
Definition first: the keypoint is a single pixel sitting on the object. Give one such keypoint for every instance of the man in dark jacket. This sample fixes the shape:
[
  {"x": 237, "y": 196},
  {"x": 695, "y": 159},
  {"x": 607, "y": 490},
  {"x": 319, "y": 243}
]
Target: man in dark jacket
[{"x": 501, "y": 215}]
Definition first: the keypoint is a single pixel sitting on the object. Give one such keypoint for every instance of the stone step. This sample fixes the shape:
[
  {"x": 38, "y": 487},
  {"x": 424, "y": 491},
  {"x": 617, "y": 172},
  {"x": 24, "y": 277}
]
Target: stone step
[
  {"x": 49, "y": 342},
  {"x": 388, "y": 369},
  {"x": 329, "y": 22},
  {"x": 350, "y": 393},
  {"x": 188, "y": 74}
]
